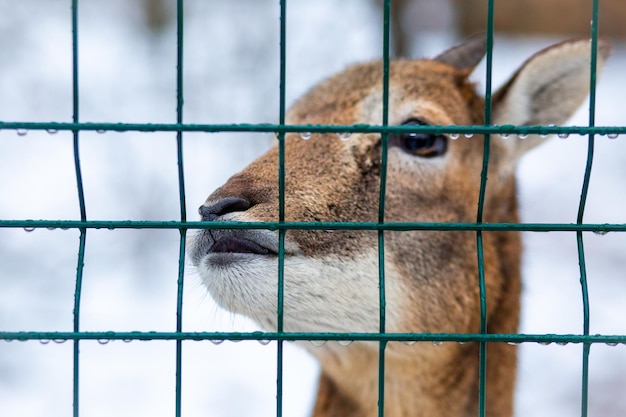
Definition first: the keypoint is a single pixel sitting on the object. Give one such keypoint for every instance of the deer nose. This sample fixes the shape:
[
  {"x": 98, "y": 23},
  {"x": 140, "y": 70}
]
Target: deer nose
[{"x": 221, "y": 207}]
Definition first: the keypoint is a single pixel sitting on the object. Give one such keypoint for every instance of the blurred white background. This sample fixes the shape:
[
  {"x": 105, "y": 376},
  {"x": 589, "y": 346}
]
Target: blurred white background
[{"x": 127, "y": 73}]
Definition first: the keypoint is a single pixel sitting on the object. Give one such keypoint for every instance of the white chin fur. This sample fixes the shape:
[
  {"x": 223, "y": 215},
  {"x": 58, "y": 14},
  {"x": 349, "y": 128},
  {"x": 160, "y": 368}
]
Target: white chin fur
[{"x": 320, "y": 295}]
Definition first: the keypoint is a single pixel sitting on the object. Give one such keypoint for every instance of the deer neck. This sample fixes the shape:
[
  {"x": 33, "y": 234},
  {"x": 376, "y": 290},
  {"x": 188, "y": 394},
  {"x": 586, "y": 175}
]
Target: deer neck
[
  {"x": 415, "y": 384},
  {"x": 414, "y": 388},
  {"x": 424, "y": 379}
]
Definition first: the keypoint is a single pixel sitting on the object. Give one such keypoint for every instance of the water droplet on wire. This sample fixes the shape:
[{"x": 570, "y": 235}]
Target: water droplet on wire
[
  {"x": 217, "y": 341},
  {"x": 563, "y": 135},
  {"x": 437, "y": 343},
  {"x": 344, "y": 342},
  {"x": 469, "y": 135},
  {"x": 264, "y": 342},
  {"x": 504, "y": 136},
  {"x": 453, "y": 136},
  {"x": 600, "y": 232},
  {"x": 21, "y": 132},
  {"x": 52, "y": 131},
  {"x": 544, "y": 135},
  {"x": 305, "y": 135},
  {"x": 344, "y": 135},
  {"x": 612, "y": 135},
  {"x": 522, "y": 135},
  {"x": 318, "y": 343},
  {"x": 29, "y": 229}
]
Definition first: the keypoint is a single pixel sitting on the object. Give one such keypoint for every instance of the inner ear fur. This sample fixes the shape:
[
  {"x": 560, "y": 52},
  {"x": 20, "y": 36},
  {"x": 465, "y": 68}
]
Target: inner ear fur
[{"x": 548, "y": 87}]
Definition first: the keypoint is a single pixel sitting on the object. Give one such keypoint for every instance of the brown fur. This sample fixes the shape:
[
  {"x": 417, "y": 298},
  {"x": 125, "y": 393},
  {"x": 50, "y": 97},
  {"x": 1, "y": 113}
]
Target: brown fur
[{"x": 431, "y": 276}]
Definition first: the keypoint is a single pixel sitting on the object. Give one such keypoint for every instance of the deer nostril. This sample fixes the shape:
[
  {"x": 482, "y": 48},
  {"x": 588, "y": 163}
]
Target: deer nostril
[{"x": 224, "y": 206}]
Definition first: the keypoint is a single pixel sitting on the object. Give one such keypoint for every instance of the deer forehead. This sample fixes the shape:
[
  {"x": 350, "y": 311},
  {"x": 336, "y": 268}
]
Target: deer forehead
[{"x": 418, "y": 88}]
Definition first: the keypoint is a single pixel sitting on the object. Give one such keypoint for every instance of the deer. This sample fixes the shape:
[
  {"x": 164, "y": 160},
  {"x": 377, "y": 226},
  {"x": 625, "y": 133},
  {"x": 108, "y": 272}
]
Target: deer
[{"x": 331, "y": 278}]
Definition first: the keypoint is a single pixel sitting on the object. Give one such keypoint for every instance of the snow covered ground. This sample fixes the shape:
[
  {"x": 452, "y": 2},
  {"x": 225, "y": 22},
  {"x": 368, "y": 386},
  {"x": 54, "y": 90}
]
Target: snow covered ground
[{"x": 127, "y": 74}]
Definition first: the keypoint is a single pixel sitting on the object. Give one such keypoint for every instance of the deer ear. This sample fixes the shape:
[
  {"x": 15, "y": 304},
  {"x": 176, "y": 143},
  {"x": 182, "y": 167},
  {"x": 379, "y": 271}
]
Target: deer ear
[
  {"x": 548, "y": 88},
  {"x": 465, "y": 57}
]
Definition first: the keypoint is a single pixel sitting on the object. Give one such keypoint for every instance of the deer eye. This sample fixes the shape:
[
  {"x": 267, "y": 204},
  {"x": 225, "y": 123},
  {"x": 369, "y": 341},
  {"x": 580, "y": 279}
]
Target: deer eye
[{"x": 425, "y": 145}]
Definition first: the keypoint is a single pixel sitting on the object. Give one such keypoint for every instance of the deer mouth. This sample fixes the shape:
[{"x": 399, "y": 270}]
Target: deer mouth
[
  {"x": 237, "y": 244},
  {"x": 220, "y": 247}
]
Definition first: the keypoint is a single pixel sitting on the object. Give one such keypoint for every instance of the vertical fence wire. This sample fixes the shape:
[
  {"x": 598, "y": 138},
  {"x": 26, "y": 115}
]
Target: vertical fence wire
[
  {"x": 281, "y": 208},
  {"x": 83, "y": 211},
  {"x": 482, "y": 362},
  {"x": 182, "y": 202},
  {"x": 381, "y": 209},
  {"x": 581, "y": 208}
]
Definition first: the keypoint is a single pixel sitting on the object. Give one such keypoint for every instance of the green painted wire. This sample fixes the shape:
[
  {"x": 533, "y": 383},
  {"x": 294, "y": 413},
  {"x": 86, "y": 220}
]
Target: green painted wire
[
  {"x": 179, "y": 107},
  {"x": 278, "y": 128},
  {"x": 385, "y": 115},
  {"x": 373, "y": 226},
  {"x": 586, "y": 345},
  {"x": 182, "y": 201},
  {"x": 382, "y": 344},
  {"x": 581, "y": 209},
  {"x": 515, "y": 338},
  {"x": 75, "y": 116},
  {"x": 281, "y": 207},
  {"x": 83, "y": 211},
  {"x": 482, "y": 365}
]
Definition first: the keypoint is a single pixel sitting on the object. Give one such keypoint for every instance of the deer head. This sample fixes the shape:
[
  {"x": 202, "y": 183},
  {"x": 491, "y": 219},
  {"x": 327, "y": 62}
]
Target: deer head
[{"x": 331, "y": 279}]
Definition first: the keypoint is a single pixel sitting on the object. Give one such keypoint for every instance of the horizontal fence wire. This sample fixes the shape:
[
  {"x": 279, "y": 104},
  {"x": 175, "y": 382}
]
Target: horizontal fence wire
[
  {"x": 30, "y": 225},
  {"x": 22, "y": 128},
  {"x": 83, "y": 225},
  {"x": 513, "y": 338}
]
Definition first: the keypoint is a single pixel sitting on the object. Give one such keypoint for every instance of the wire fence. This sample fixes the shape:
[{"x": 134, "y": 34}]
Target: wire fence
[{"x": 84, "y": 224}]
